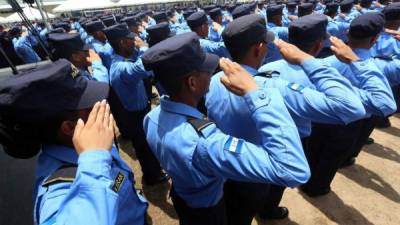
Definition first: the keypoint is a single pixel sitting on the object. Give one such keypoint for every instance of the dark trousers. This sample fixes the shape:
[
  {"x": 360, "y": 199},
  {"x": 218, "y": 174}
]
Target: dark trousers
[
  {"x": 244, "y": 201},
  {"x": 198, "y": 216},
  {"x": 150, "y": 166},
  {"x": 275, "y": 194},
  {"x": 367, "y": 127},
  {"x": 329, "y": 147}
]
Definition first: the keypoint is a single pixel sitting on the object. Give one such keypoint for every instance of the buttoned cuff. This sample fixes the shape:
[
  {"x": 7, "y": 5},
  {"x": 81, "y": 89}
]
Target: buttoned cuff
[
  {"x": 97, "y": 162},
  {"x": 257, "y": 99},
  {"x": 310, "y": 65}
]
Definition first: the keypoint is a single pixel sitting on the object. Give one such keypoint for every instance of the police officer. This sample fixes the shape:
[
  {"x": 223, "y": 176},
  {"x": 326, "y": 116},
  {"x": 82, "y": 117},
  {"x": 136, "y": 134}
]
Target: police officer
[
  {"x": 198, "y": 23},
  {"x": 375, "y": 91},
  {"x": 97, "y": 40},
  {"x": 386, "y": 45},
  {"x": 127, "y": 80},
  {"x": 80, "y": 177},
  {"x": 216, "y": 27},
  {"x": 23, "y": 45},
  {"x": 195, "y": 152},
  {"x": 71, "y": 47},
  {"x": 242, "y": 10},
  {"x": 331, "y": 145},
  {"x": 227, "y": 110},
  {"x": 135, "y": 26},
  {"x": 274, "y": 18}
]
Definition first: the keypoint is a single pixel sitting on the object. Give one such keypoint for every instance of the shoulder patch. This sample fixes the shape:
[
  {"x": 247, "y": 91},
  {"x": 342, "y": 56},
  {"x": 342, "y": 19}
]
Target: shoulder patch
[
  {"x": 233, "y": 145},
  {"x": 296, "y": 87}
]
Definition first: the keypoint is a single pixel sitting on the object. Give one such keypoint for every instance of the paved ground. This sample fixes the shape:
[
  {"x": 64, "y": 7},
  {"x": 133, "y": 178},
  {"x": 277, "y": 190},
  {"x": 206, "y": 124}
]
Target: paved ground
[{"x": 365, "y": 194}]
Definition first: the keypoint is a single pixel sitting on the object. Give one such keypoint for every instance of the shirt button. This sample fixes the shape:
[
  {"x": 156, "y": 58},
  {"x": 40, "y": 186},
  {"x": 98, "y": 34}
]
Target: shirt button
[{"x": 262, "y": 95}]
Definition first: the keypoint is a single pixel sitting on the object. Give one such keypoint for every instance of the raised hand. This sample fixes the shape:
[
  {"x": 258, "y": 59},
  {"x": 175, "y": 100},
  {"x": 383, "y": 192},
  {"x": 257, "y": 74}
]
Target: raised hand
[
  {"x": 342, "y": 51},
  {"x": 97, "y": 133},
  {"x": 291, "y": 53},
  {"x": 236, "y": 79}
]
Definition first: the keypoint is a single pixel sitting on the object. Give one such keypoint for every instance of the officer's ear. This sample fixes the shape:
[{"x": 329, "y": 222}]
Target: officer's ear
[{"x": 67, "y": 128}]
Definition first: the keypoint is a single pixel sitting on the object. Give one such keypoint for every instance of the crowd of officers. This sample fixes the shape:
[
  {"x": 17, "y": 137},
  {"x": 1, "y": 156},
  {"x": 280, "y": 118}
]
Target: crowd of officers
[{"x": 255, "y": 98}]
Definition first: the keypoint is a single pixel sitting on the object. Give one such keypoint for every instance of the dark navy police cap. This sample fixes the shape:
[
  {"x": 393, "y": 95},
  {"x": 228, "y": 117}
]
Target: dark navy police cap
[
  {"x": 242, "y": 10},
  {"x": 130, "y": 21},
  {"x": 94, "y": 26},
  {"x": 215, "y": 12},
  {"x": 117, "y": 32},
  {"x": 160, "y": 17},
  {"x": 62, "y": 25},
  {"x": 49, "y": 91},
  {"x": 197, "y": 19},
  {"x": 392, "y": 11},
  {"x": 308, "y": 29},
  {"x": 367, "y": 25},
  {"x": 109, "y": 21},
  {"x": 245, "y": 31},
  {"x": 275, "y": 10},
  {"x": 305, "y": 9},
  {"x": 332, "y": 7},
  {"x": 179, "y": 55},
  {"x": 158, "y": 32},
  {"x": 186, "y": 14},
  {"x": 66, "y": 43}
]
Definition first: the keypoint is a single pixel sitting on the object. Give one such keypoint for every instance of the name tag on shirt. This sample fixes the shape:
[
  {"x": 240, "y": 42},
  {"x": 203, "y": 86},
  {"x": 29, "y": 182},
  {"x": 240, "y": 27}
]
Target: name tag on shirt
[
  {"x": 119, "y": 180},
  {"x": 233, "y": 145}
]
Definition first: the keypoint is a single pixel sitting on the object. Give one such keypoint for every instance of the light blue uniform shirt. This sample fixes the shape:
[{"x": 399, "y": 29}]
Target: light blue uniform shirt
[
  {"x": 217, "y": 48},
  {"x": 390, "y": 67},
  {"x": 89, "y": 199},
  {"x": 126, "y": 78},
  {"x": 386, "y": 46},
  {"x": 99, "y": 72},
  {"x": 104, "y": 50},
  {"x": 314, "y": 92},
  {"x": 371, "y": 86},
  {"x": 215, "y": 35},
  {"x": 199, "y": 164},
  {"x": 280, "y": 32},
  {"x": 24, "y": 50}
]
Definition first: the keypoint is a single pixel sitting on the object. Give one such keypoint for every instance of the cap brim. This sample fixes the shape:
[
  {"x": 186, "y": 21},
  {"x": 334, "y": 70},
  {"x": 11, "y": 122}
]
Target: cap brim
[
  {"x": 210, "y": 63},
  {"x": 269, "y": 37},
  {"x": 95, "y": 91},
  {"x": 86, "y": 47}
]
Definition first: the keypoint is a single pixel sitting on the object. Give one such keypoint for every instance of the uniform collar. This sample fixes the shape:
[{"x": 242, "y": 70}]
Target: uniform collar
[
  {"x": 362, "y": 53},
  {"x": 250, "y": 69},
  {"x": 179, "y": 108}
]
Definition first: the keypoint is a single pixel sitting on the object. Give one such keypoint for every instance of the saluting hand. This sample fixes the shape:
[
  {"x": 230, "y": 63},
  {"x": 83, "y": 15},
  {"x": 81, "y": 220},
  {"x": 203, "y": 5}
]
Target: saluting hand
[
  {"x": 342, "y": 51},
  {"x": 139, "y": 42},
  {"x": 93, "y": 56},
  {"x": 216, "y": 26},
  {"x": 395, "y": 33},
  {"x": 291, "y": 53},
  {"x": 236, "y": 79},
  {"x": 97, "y": 133}
]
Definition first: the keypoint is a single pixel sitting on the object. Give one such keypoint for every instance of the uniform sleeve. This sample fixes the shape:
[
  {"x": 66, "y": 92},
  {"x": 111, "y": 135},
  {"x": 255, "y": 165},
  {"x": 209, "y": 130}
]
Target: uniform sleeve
[
  {"x": 100, "y": 72},
  {"x": 217, "y": 48},
  {"x": 279, "y": 159},
  {"x": 332, "y": 100},
  {"x": 392, "y": 71},
  {"x": 88, "y": 200},
  {"x": 374, "y": 90},
  {"x": 133, "y": 71}
]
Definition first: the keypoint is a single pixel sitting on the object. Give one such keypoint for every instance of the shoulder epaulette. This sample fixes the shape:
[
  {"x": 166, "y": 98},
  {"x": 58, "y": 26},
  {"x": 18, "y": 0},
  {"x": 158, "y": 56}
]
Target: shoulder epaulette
[{"x": 65, "y": 173}]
